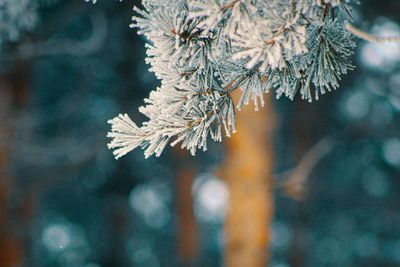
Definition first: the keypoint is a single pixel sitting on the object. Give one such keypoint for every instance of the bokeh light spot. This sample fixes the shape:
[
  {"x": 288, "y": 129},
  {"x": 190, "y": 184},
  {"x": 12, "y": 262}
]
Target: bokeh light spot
[
  {"x": 56, "y": 237},
  {"x": 211, "y": 198},
  {"x": 391, "y": 151}
]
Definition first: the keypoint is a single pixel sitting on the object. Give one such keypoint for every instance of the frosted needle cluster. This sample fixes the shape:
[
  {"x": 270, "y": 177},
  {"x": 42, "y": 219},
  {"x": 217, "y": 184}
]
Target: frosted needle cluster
[{"x": 203, "y": 50}]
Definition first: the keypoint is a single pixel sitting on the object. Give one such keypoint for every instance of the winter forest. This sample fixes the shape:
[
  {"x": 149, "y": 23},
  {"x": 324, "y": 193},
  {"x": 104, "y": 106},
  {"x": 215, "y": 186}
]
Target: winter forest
[{"x": 199, "y": 133}]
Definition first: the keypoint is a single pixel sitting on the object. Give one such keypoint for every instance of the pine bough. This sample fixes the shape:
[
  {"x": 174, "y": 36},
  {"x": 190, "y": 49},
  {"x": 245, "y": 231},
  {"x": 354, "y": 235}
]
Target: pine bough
[{"x": 203, "y": 50}]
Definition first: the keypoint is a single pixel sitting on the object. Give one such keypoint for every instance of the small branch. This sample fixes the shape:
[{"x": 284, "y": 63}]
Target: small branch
[
  {"x": 369, "y": 37},
  {"x": 229, "y": 5},
  {"x": 294, "y": 185},
  {"x": 325, "y": 11}
]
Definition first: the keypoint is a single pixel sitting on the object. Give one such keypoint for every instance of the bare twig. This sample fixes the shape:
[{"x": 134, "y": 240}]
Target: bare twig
[
  {"x": 369, "y": 37},
  {"x": 297, "y": 177}
]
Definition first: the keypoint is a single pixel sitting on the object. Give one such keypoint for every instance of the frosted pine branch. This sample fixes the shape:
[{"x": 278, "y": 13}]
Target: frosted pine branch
[
  {"x": 126, "y": 135},
  {"x": 204, "y": 50}
]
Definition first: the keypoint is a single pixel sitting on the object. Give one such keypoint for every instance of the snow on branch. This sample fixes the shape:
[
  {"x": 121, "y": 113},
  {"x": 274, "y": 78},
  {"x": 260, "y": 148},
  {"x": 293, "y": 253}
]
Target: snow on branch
[{"x": 203, "y": 50}]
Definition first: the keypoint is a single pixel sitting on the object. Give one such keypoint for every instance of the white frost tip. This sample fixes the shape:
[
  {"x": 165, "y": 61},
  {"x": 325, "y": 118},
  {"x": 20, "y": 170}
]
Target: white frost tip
[{"x": 125, "y": 135}]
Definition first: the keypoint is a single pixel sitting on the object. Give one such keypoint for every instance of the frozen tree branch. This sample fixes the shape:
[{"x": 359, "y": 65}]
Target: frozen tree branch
[{"x": 204, "y": 50}]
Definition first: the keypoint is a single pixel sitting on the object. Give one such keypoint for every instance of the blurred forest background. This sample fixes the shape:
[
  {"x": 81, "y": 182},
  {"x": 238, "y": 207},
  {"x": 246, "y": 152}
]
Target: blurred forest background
[{"x": 333, "y": 166}]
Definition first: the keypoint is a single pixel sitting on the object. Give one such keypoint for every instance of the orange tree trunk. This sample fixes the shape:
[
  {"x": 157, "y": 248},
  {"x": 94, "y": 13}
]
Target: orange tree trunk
[
  {"x": 248, "y": 173},
  {"x": 187, "y": 235}
]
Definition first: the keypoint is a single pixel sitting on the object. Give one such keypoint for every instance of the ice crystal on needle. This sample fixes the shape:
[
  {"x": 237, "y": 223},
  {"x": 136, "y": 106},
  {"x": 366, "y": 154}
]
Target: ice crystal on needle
[{"x": 203, "y": 50}]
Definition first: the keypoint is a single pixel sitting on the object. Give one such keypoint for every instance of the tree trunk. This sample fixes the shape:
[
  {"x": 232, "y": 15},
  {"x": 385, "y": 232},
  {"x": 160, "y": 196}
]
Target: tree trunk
[
  {"x": 248, "y": 173},
  {"x": 12, "y": 96},
  {"x": 187, "y": 235}
]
